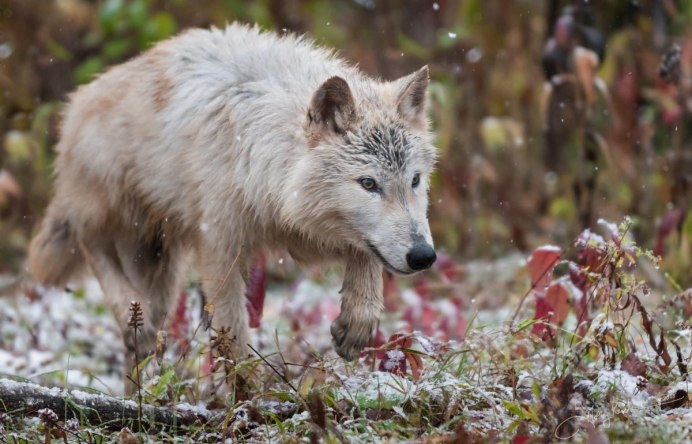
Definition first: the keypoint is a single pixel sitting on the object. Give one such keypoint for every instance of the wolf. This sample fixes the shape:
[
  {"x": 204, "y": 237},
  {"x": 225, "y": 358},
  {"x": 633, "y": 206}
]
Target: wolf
[{"x": 218, "y": 144}]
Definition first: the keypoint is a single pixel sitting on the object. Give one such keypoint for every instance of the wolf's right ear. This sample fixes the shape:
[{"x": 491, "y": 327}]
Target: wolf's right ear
[
  {"x": 332, "y": 108},
  {"x": 411, "y": 99}
]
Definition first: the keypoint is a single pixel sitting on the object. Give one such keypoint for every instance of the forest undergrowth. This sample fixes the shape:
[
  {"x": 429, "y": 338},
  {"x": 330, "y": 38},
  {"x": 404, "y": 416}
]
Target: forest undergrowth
[{"x": 587, "y": 352}]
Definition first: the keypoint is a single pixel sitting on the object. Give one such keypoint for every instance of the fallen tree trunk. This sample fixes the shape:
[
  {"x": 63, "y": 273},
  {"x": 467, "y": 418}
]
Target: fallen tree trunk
[{"x": 22, "y": 398}]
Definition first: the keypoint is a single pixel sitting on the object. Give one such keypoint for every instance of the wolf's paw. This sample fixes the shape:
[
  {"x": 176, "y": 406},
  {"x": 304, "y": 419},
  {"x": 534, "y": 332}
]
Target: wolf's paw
[{"x": 351, "y": 335}]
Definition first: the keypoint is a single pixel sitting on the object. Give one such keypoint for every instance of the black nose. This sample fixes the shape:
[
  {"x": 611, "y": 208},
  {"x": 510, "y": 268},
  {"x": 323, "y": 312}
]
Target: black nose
[{"x": 420, "y": 257}]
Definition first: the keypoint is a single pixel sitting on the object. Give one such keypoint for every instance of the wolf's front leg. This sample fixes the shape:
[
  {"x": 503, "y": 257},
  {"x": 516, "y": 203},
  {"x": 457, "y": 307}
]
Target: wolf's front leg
[
  {"x": 224, "y": 286},
  {"x": 230, "y": 312},
  {"x": 361, "y": 306}
]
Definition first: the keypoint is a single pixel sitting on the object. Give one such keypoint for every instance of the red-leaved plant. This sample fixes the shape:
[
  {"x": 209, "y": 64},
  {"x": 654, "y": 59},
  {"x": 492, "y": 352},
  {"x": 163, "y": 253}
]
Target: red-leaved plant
[
  {"x": 586, "y": 283},
  {"x": 396, "y": 354}
]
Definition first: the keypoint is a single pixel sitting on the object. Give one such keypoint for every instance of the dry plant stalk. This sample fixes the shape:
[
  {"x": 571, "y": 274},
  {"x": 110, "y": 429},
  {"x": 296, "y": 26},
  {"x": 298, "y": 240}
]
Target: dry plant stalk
[
  {"x": 221, "y": 349},
  {"x": 135, "y": 324}
]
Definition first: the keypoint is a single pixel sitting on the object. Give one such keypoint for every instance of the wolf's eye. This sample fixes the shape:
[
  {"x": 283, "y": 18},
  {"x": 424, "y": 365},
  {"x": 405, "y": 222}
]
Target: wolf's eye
[
  {"x": 368, "y": 183},
  {"x": 416, "y": 180}
]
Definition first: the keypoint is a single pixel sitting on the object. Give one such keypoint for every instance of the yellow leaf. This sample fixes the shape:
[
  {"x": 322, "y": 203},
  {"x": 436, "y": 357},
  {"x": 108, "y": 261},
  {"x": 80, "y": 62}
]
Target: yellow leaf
[{"x": 610, "y": 340}]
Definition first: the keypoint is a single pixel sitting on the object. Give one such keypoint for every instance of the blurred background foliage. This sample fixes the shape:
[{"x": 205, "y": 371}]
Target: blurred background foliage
[{"x": 523, "y": 160}]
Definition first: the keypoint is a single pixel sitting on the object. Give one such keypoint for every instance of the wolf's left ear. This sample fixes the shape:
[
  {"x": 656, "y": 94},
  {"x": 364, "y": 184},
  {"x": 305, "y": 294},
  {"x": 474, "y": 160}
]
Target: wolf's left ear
[
  {"x": 411, "y": 99},
  {"x": 332, "y": 108}
]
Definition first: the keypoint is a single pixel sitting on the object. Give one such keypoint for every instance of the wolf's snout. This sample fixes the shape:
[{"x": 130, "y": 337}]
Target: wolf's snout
[{"x": 420, "y": 257}]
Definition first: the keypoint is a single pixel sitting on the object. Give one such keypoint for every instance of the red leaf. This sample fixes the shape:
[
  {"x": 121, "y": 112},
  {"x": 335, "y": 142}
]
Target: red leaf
[
  {"x": 395, "y": 357},
  {"x": 551, "y": 309},
  {"x": 541, "y": 265},
  {"x": 256, "y": 291},
  {"x": 180, "y": 324},
  {"x": 590, "y": 252},
  {"x": 416, "y": 364},
  {"x": 520, "y": 439},
  {"x": 394, "y": 362},
  {"x": 400, "y": 340},
  {"x": 558, "y": 297},
  {"x": 420, "y": 286},
  {"x": 543, "y": 309},
  {"x": 668, "y": 224},
  {"x": 577, "y": 276}
]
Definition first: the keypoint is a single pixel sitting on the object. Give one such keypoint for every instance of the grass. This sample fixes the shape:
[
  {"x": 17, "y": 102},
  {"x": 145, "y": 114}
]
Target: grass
[{"x": 619, "y": 375}]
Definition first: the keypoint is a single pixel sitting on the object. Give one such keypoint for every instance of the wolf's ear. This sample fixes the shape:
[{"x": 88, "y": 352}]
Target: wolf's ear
[
  {"x": 411, "y": 99},
  {"x": 332, "y": 108}
]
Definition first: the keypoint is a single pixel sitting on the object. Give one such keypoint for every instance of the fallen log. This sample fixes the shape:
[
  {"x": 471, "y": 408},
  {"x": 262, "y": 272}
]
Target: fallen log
[{"x": 26, "y": 399}]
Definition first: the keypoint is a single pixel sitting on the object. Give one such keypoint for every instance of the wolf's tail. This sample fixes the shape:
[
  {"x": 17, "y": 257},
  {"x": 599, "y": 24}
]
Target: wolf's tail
[{"x": 54, "y": 253}]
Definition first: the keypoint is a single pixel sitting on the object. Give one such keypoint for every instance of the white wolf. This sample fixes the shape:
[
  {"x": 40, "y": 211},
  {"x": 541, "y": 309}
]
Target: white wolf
[{"x": 225, "y": 142}]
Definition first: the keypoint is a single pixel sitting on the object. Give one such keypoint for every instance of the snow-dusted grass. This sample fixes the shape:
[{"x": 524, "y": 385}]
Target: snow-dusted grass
[
  {"x": 61, "y": 337},
  {"x": 497, "y": 383}
]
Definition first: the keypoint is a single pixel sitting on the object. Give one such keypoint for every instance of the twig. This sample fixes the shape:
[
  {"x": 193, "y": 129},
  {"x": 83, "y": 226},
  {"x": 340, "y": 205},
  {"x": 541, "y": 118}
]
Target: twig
[{"x": 282, "y": 376}]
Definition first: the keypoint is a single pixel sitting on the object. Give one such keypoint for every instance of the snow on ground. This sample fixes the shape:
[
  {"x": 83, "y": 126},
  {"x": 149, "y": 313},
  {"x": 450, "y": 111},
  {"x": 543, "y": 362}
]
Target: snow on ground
[
  {"x": 61, "y": 337},
  {"x": 69, "y": 338}
]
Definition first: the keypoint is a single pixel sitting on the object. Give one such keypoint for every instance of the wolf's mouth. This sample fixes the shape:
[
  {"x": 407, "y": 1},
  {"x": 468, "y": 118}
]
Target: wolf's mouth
[{"x": 386, "y": 264}]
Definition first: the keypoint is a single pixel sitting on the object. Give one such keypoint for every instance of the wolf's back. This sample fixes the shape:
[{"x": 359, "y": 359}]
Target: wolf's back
[{"x": 141, "y": 141}]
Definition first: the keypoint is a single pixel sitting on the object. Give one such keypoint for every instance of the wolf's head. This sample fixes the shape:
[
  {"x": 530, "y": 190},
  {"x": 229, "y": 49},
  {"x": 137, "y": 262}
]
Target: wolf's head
[{"x": 369, "y": 163}]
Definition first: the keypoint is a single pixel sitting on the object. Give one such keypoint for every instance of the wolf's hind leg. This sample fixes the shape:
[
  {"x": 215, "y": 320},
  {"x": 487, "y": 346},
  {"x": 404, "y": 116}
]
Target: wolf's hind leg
[
  {"x": 156, "y": 272},
  {"x": 127, "y": 274},
  {"x": 361, "y": 305},
  {"x": 103, "y": 259}
]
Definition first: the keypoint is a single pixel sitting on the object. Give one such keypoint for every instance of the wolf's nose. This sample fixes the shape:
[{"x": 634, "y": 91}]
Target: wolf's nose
[{"x": 420, "y": 257}]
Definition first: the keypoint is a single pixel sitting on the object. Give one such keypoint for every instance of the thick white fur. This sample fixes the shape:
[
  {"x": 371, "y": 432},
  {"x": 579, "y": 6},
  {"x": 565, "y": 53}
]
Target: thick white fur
[{"x": 199, "y": 153}]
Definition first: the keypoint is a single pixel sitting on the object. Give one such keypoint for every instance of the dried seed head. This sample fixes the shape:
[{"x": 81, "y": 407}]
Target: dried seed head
[
  {"x": 222, "y": 352},
  {"x": 222, "y": 343},
  {"x": 135, "y": 321},
  {"x": 72, "y": 425},
  {"x": 48, "y": 417}
]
